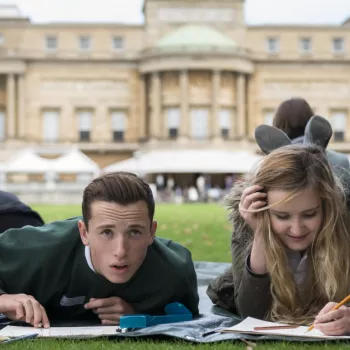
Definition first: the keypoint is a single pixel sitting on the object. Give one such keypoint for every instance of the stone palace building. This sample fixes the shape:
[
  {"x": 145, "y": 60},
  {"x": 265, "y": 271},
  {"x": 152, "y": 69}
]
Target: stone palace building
[{"x": 194, "y": 75}]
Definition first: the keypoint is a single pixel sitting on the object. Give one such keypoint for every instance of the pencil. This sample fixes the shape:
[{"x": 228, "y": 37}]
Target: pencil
[
  {"x": 336, "y": 307},
  {"x": 268, "y": 328},
  {"x": 21, "y": 337}
]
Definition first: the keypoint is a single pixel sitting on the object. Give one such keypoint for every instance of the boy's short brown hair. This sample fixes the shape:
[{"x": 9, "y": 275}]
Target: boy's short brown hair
[{"x": 118, "y": 187}]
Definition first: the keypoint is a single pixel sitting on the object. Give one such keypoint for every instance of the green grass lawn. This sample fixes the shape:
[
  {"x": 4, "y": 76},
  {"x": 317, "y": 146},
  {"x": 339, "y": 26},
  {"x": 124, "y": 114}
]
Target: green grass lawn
[{"x": 204, "y": 229}]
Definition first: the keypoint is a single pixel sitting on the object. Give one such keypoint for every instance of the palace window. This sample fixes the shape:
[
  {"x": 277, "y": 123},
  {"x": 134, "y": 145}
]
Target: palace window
[
  {"x": 119, "y": 124},
  {"x": 2, "y": 125},
  {"x": 84, "y": 43},
  {"x": 117, "y": 43},
  {"x": 173, "y": 122},
  {"x": 305, "y": 45},
  {"x": 225, "y": 123},
  {"x": 84, "y": 120},
  {"x": 50, "y": 125},
  {"x": 199, "y": 123},
  {"x": 51, "y": 43},
  {"x": 338, "y": 121},
  {"x": 338, "y": 45},
  {"x": 268, "y": 116},
  {"x": 272, "y": 45}
]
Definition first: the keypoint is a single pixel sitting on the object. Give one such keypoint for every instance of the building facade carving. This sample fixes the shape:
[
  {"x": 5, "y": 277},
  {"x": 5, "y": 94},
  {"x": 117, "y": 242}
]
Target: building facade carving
[{"x": 196, "y": 15}]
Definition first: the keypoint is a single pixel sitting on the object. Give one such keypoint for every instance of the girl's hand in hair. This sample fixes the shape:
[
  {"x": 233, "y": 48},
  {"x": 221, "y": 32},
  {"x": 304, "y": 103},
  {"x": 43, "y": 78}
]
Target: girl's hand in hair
[
  {"x": 252, "y": 198},
  {"x": 333, "y": 322}
]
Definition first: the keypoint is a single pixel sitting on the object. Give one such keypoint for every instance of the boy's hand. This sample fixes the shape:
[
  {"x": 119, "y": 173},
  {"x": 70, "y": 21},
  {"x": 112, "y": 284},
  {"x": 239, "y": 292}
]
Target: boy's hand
[
  {"x": 23, "y": 307},
  {"x": 109, "y": 310}
]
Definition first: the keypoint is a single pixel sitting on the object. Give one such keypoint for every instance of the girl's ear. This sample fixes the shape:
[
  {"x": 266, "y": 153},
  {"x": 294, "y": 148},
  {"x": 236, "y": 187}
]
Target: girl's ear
[{"x": 269, "y": 138}]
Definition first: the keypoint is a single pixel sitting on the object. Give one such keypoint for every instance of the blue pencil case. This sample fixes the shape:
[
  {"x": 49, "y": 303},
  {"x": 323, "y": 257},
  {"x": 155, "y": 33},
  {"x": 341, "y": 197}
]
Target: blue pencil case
[{"x": 174, "y": 312}]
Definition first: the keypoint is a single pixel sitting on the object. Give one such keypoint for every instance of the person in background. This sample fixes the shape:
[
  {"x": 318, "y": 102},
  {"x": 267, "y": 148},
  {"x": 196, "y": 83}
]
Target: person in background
[
  {"x": 15, "y": 214},
  {"x": 292, "y": 117}
]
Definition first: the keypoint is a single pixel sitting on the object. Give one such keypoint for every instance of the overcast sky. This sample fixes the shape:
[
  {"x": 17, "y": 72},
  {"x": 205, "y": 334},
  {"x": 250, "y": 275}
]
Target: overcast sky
[{"x": 129, "y": 11}]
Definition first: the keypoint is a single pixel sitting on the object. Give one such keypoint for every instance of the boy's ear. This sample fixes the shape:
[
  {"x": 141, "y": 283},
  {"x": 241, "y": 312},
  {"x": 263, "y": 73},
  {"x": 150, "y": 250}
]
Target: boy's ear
[
  {"x": 269, "y": 138},
  {"x": 83, "y": 232},
  {"x": 153, "y": 231},
  {"x": 318, "y": 131}
]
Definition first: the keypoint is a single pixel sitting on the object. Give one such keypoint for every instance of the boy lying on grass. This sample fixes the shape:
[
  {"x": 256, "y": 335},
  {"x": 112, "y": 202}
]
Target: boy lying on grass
[{"x": 99, "y": 267}]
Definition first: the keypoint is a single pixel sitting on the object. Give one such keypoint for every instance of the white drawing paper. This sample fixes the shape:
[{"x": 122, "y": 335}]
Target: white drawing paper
[
  {"x": 60, "y": 332},
  {"x": 247, "y": 326}
]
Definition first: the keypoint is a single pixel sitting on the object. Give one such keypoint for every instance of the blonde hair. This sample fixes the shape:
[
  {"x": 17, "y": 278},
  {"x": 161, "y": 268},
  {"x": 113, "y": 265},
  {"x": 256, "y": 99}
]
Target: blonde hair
[{"x": 293, "y": 168}]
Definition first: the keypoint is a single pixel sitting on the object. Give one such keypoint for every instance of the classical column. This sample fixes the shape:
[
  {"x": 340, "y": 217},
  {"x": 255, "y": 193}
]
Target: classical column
[
  {"x": 10, "y": 106},
  {"x": 184, "y": 131},
  {"x": 143, "y": 107},
  {"x": 215, "y": 121},
  {"x": 21, "y": 107},
  {"x": 241, "y": 105},
  {"x": 156, "y": 106}
]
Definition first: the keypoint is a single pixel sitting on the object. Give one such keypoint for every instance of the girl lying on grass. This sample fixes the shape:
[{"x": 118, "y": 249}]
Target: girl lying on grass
[{"x": 291, "y": 243}]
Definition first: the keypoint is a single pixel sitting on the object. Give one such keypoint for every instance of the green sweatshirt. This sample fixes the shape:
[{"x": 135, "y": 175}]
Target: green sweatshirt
[{"x": 49, "y": 263}]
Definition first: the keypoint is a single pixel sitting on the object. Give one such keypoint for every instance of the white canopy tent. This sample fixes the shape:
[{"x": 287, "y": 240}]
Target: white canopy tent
[
  {"x": 75, "y": 162},
  {"x": 188, "y": 161},
  {"x": 130, "y": 165},
  {"x": 27, "y": 162}
]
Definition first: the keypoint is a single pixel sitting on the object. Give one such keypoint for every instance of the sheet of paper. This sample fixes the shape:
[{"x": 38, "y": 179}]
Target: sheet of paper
[
  {"x": 60, "y": 332},
  {"x": 247, "y": 326}
]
